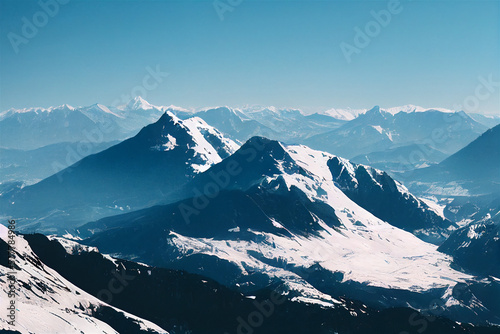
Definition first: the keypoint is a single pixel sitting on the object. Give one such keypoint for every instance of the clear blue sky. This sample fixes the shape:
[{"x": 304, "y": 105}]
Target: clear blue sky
[{"x": 281, "y": 53}]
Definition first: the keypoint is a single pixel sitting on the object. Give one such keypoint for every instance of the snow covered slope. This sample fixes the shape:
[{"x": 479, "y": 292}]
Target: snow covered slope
[
  {"x": 389, "y": 200},
  {"x": 476, "y": 247},
  {"x": 280, "y": 216},
  {"x": 45, "y": 302},
  {"x": 189, "y": 303}
]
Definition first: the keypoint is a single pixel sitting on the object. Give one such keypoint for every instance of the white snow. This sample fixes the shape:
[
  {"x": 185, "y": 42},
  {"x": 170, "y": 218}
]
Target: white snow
[
  {"x": 35, "y": 110},
  {"x": 434, "y": 206},
  {"x": 349, "y": 114},
  {"x": 343, "y": 114},
  {"x": 412, "y": 108},
  {"x": 71, "y": 246},
  {"x": 203, "y": 149},
  {"x": 472, "y": 234},
  {"x": 56, "y": 308},
  {"x": 373, "y": 252},
  {"x": 169, "y": 144},
  {"x": 139, "y": 103},
  {"x": 378, "y": 128}
]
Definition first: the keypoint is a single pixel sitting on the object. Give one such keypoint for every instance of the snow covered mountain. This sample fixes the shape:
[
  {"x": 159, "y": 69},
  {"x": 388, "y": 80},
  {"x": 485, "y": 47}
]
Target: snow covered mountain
[
  {"x": 476, "y": 247},
  {"x": 174, "y": 300},
  {"x": 32, "y": 128},
  {"x": 289, "y": 125},
  {"x": 272, "y": 213},
  {"x": 45, "y": 302},
  {"x": 350, "y": 114},
  {"x": 389, "y": 200},
  {"x": 379, "y": 130},
  {"x": 343, "y": 114},
  {"x": 138, "y": 172}
]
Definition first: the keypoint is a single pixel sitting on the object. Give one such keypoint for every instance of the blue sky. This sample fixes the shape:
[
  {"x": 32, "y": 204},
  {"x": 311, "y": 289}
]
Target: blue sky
[{"x": 281, "y": 53}]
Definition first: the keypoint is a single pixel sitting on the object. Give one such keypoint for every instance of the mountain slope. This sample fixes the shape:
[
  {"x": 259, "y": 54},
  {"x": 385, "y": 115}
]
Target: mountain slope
[
  {"x": 476, "y": 247},
  {"x": 31, "y": 166},
  {"x": 135, "y": 173},
  {"x": 475, "y": 168},
  {"x": 46, "y": 302},
  {"x": 479, "y": 159},
  {"x": 389, "y": 200},
  {"x": 489, "y": 121},
  {"x": 187, "y": 303},
  {"x": 273, "y": 214}
]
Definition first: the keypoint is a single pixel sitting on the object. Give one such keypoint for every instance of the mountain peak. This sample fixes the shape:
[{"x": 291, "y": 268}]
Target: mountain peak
[
  {"x": 65, "y": 106},
  {"x": 139, "y": 103},
  {"x": 375, "y": 113},
  {"x": 265, "y": 144},
  {"x": 375, "y": 109}
]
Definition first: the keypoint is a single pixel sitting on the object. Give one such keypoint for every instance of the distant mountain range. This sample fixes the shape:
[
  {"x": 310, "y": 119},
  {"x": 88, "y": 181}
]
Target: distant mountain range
[
  {"x": 379, "y": 130},
  {"x": 399, "y": 141},
  {"x": 287, "y": 125},
  {"x": 135, "y": 173}
]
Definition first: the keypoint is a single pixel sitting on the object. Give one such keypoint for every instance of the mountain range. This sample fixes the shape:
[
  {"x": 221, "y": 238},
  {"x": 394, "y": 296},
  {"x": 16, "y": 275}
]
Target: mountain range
[
  {"x": 68, "y": 134},
  {"x": 379, "y": 130},
  {"x": 218, "y": 218},
  {"x": 280, "y": 218},
  {"x": 133, "y": 174}
]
